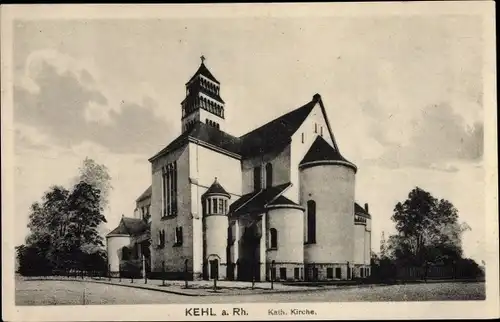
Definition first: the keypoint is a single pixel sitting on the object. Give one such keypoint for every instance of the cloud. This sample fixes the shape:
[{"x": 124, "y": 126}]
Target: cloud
[
  {"x": 23, "y": 141},
  {"x": 62, "y": 99},
  {"x": 438, "y": 138}
]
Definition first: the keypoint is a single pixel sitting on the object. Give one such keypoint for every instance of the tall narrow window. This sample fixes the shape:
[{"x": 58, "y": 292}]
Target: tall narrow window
[
  {"x": 269, "y": 175},
  {"x": 315, "y": 127},
  {"x": 303, "y": 137},
  {"x": 170, "y": 190},
  {"x": 164, "y": 193},
  {"x": 174, "y": 196},
  {"x": 321, "y": 131},
  {"x": 311, "y": 221},
  {"x": 178, "y": 236},
  {"x": 209, "y": 205},
  {"x": 214, "y": 206},
  {"x": 221, "y": 206},
  {"x": 273, "y": 238},
  {"x": 162, "y": 239},
  {"x": 256, "y": 178}
]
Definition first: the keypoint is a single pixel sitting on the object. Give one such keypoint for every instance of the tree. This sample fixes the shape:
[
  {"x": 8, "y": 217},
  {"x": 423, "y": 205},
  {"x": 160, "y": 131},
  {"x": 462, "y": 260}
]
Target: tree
[
  {"x": 428, "y": 230},
  {"x": 85, "y": 216},
  {"x": 63, "y": 231},
  {"x": 96, "y": 175},
  {"x": 383, "y": 247}
]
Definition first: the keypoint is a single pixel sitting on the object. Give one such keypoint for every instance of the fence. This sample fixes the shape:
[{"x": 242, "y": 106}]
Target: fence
[{"x": 430, "y": 272}]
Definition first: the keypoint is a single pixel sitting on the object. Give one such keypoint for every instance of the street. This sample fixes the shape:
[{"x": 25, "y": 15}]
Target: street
[{"x": 47, "y": 292}]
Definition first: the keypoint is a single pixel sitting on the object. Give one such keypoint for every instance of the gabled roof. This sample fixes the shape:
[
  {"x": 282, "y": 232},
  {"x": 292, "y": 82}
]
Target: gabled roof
[
  {"x": 130, "y": 226},
  {"x": 145, "y": 195},
  {"x": 360, "y": 211},
  {"x": 205, "y": 133},
  {"x": 275, "y": 134},
  {"x": 216, "y": 137},
  {"x": 203, "y": 70},
  {"x": 272, "y": 136},
  {"x": 256, "y": 201},
  {"x": 321, "y": 150},
  {"x": 216, "y": 189}
]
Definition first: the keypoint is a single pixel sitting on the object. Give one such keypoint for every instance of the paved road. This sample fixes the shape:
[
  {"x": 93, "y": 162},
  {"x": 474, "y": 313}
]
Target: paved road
[{"x": 73, "y": 293}]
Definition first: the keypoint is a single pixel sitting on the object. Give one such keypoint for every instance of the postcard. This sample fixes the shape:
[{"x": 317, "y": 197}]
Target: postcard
[{"x": 249, "y": 161}]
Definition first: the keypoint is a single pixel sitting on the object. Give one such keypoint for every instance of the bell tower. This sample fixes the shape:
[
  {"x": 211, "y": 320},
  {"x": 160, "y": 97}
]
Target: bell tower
[{"x": 202, "y": 102}]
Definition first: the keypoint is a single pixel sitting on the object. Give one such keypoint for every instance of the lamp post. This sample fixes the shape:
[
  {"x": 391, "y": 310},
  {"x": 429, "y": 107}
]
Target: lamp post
[
  {"x": 163, "y": 273},
  {"x": 186, "y": 274},
  {"x": 144, "y": 269},
  {"x": 273, "y": 262}
]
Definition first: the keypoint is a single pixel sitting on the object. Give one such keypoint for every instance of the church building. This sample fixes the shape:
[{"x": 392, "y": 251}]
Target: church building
[{"x": 277, "y": 202}]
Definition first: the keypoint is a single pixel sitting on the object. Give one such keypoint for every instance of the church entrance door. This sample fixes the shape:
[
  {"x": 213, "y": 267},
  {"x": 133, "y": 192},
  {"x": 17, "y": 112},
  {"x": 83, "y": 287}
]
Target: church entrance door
[{"x": 214, "y": 269}]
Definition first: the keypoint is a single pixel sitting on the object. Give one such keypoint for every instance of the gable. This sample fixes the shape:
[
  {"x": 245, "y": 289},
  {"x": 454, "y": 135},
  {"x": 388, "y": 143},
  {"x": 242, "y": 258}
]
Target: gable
[
  {"x": 276, "y": 134},
  {"x": 315, "y": 124}
]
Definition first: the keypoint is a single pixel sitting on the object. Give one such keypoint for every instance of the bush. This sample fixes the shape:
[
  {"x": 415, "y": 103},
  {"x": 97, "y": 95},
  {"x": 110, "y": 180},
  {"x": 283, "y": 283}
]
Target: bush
[{"x": 32, "y": 262}]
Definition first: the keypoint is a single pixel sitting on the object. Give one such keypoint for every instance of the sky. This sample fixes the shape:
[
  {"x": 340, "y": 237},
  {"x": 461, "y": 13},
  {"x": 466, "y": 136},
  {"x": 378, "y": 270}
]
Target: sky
[{"x": 404, "y": 96}]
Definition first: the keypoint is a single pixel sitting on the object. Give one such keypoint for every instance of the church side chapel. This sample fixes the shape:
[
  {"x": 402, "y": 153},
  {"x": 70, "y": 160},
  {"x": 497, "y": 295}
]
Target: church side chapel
[{"x": 277, "y": 202}]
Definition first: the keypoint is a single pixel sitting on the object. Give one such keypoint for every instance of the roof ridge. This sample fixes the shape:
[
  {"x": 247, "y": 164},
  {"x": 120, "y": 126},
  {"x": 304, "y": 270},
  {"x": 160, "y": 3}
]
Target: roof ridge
[{"x": 282, "y": 116}]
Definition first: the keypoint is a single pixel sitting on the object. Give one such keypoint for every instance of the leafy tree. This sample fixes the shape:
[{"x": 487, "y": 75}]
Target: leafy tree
[
  {"x": 85, "y": 216},
  {"x": 64, "y": 228},
  {"x": 96, "y": 175},
  {"x": 428, "y": 230}
]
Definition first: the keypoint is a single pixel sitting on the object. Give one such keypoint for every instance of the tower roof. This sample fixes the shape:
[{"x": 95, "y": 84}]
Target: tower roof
[
  {"x": 320, "y": 150},
  {"x": 217, "y": 189},
  {"x": 203, "y": 70}
]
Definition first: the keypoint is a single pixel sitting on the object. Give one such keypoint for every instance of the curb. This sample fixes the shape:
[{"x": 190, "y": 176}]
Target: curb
[{"x": 139, "y": 286}]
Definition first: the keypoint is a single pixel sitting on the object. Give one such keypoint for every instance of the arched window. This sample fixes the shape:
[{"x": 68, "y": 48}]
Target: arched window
[
  {"x": 273, "y": 236},
  {"x": 311, "y": 222},
  {"x": 269, "y": 175},
  {"x": 178, "y": 236}
]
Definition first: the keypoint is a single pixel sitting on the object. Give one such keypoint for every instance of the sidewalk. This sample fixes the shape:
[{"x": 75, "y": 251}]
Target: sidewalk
[{"x": 195, "y": 288}]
